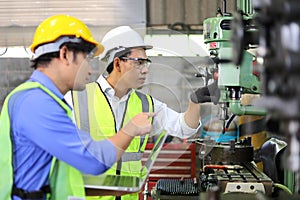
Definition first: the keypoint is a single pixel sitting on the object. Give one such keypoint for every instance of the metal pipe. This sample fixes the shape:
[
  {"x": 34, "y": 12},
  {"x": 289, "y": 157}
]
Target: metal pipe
[
  {"x": 245, "y": 6},
  {"x": 229, "y": 121},
  {"x": 224, "y": 7},
  {"x": 236, "y": 108}
]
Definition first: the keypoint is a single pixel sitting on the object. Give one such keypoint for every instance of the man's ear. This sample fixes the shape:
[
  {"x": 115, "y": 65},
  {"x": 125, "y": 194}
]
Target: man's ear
[
  {"x": 116, "y": 64},
  {"x": 63, "y": 54}
]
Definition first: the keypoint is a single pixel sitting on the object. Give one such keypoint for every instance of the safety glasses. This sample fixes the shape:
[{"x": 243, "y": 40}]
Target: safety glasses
[{"x": 139, "y": 63}]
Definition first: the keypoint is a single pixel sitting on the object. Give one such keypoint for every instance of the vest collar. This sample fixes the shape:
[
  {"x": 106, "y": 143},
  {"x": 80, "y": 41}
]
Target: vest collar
[{"x": 109, "y": 91}]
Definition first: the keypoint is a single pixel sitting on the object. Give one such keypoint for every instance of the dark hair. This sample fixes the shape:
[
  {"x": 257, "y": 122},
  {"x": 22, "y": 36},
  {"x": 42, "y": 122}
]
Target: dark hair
[
  {"x": 44, "y": 59},
  {"x": 83, "y": 46},
  {"x": 123, "y": 53}
]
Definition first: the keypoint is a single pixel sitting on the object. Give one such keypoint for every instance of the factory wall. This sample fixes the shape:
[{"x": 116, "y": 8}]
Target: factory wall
[
  {"x": 189, "y": 12},
  {"x": 19, "y": 18},
  {"x": 13, "y": 71},
  {"x": 170, "y": 79}
]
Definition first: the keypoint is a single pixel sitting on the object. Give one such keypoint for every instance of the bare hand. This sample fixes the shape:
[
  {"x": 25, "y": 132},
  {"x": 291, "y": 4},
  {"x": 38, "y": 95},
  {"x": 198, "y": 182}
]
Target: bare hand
[{"x": 139, "y": 124}]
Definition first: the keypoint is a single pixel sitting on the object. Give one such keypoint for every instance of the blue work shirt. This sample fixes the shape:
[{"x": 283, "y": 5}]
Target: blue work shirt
[{"x": 41, "y": 129}]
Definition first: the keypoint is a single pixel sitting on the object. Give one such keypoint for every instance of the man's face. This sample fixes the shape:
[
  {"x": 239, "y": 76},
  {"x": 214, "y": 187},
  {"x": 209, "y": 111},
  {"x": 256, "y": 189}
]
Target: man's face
[
  {"x": 82, "y": 71},
  {"x": 133, "y": 72}
]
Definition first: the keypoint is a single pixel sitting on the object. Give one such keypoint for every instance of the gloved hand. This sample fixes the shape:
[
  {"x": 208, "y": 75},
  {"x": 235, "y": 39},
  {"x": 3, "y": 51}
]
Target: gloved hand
[{"x": 210, "y": 93}]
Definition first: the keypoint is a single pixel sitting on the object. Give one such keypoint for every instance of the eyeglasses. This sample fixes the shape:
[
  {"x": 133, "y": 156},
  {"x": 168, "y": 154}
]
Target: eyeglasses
[{"x": 139, "y": 62}]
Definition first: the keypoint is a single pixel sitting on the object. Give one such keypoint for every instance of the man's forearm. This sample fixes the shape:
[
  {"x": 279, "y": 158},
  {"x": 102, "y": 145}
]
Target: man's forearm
[
  {"x": 121, "y": 141},
  {"x": 192, "y": 115}
]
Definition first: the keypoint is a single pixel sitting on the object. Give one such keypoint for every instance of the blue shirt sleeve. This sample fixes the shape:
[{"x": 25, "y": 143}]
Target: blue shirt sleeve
[{"x": 42, "y": 129}]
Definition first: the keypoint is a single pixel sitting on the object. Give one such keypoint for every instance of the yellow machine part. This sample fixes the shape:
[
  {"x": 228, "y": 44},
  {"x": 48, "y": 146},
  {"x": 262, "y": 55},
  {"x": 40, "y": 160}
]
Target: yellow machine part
[{"x": 254, "y": 127}]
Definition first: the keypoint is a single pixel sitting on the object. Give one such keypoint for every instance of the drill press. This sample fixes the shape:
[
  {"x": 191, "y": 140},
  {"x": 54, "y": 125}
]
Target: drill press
[{"x": 235, "y": 77}]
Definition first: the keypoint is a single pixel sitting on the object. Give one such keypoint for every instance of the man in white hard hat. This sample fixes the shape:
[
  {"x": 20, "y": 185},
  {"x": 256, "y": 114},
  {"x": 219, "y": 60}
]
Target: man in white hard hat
[{"x": 117, "y": 97}]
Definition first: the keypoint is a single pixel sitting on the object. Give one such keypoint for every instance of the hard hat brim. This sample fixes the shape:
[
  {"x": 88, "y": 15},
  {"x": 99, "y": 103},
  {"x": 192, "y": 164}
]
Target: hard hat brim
[{"x": 99, "y": 50}]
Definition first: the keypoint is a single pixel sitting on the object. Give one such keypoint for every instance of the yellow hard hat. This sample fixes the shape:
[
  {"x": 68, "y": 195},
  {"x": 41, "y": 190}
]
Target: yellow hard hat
[{"x": 60, "y": 25}]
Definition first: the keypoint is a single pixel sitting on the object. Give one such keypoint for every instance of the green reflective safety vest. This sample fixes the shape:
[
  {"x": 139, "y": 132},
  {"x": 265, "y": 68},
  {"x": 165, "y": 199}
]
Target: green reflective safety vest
[
  {"x": 94, "y": 114},
  {"x": 65, "y": 181}
]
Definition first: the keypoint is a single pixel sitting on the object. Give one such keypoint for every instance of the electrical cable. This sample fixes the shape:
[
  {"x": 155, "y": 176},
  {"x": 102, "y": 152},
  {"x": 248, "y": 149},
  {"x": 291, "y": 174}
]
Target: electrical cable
[{"x": 283, "y": 187}]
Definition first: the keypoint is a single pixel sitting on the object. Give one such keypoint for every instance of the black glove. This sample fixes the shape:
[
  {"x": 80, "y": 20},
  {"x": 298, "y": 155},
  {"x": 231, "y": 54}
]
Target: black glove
[{"x": 210, "y": 93}]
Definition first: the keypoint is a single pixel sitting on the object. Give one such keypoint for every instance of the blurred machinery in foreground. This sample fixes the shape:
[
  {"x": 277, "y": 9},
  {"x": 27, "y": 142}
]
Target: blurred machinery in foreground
[{"x": 279, "y": 50}]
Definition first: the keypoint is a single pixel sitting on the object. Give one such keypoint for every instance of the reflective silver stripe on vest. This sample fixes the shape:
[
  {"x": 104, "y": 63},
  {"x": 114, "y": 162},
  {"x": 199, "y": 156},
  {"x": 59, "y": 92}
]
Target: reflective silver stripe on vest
[
  {"x": 83, "y": 110},
  {"x": 145, "y": 103},
  {"x": 145, "y": 108},
  {"x": 131, "y": 156}
]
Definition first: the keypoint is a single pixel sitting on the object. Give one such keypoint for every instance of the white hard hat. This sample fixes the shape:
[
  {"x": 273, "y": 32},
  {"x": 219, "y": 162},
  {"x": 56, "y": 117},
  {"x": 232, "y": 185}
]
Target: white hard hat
[{"x": 120, "y": 39}]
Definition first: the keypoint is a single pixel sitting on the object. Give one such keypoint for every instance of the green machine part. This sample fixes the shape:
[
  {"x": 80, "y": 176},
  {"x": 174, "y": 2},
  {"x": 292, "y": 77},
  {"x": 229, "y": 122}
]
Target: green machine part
[
  {"x": 216, "y": 32},
  {"x": 232, "y": 75},
  {"x": 217, "y": 36}
]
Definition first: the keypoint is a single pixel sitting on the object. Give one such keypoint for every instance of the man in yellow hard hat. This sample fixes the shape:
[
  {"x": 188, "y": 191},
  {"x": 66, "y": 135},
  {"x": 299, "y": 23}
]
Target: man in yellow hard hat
[
  {"x": 116, "y": 95},
  {"x": 42, "y": 150}
]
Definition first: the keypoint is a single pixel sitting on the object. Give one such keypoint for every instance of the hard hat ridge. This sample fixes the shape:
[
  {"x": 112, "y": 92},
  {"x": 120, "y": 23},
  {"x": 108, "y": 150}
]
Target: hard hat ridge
[{"x": 111, "y": 54}]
